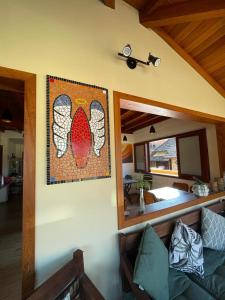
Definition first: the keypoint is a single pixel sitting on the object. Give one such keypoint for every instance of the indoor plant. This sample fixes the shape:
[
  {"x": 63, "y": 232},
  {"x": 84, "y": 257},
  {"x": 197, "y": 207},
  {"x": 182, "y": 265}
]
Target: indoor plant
[{"x": 142, "y": 185}]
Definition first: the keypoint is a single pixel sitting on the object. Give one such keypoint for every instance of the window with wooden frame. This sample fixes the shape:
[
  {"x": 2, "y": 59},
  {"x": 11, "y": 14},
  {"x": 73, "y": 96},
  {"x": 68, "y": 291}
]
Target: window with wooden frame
[{"x": 183, "y": 156}]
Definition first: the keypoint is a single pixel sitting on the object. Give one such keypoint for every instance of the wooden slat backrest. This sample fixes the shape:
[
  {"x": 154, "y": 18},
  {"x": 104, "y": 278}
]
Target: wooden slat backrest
[
  {"x": 56, "y": 284},
  {"x": 129, "y": 242}
]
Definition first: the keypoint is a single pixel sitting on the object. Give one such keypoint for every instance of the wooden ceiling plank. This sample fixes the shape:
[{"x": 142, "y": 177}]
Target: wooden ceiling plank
[
  {"x": 190, "y": 60},
  {"x": 219, "y": 73},
  {"x": 196, "y": 33},
  {"x": 222, "y": 81},
  {"x": 214, "y": 66},
  {"x": 151, "y": 120},
  {"x": 212, "y": 51},
  {"x": 205, "y": 34},
  {"x": 169, "y": 28},
  {"x": 189, "y": 11},
  {"x": 109, "y": 3},
  {"x": 177, "y": 29},
  {"x": 157, "y": 119},
  {"x": 130, "y": 117},
  {"x": 127, "y": 114},
  {"x": 148, "y": 7},
  {"x": 190, "y": 27},
  {"x": 138, "y": 4},
  {"x": 208, "y": 42},
  {"x": 134, "y": 120}
]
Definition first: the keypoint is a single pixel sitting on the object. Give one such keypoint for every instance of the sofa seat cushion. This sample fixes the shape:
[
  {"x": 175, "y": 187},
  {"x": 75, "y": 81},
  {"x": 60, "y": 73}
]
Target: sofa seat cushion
[
  {"x": 214, "y": 280},
  {"x": 194, "y": 292},
  {"x": 212, "y": 260},
  {"x": 182, "y": 288}
]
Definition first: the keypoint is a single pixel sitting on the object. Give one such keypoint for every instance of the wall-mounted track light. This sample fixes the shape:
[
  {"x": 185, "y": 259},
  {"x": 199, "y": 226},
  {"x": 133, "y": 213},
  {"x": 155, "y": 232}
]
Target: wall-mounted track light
[{"x": 132, "y": 62}]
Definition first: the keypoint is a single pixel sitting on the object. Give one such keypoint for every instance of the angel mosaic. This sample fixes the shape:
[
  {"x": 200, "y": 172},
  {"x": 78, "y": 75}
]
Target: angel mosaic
[{"x": 78, "y": 133}]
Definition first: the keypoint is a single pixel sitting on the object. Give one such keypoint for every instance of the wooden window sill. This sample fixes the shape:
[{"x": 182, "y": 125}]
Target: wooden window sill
[{"x": 165, "y": 207}]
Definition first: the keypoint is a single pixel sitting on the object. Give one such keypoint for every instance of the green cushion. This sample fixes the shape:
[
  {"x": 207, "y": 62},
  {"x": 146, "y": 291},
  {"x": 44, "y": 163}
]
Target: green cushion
[
  {"x": 212, "y": 260},
  {"x": 151, "y": 266},
  {"x": 182, "y": 288},
  {"x": 178, "y": 283},
  {"x": 194, "y": 292},
  {"x": 214, "y": 282}
]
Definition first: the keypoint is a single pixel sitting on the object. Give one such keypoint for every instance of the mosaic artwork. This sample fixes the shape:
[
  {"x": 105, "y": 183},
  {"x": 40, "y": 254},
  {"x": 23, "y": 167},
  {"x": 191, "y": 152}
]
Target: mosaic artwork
[
  {"x": 78, "y": 146},
  {"x": 127, "y": 153}
]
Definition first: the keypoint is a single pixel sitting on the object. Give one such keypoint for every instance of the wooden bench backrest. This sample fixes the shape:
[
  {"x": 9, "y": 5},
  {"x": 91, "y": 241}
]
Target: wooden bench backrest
[
  {"x": 72, "y": 279},
  {"x": 129, "y": 242}
]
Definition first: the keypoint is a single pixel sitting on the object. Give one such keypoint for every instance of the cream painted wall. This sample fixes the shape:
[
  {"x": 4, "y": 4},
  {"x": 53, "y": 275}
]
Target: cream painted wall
[{"x": 79, "y": 40}]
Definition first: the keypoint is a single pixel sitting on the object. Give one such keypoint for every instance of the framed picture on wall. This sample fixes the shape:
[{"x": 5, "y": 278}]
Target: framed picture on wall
[
  {"x": 127, "y": 153},
  {"x": 78, "y": 144}
]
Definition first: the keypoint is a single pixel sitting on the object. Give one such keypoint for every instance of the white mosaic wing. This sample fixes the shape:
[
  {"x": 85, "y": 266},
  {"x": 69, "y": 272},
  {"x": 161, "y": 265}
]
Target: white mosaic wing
[
  {"x": 62, "y": 123},
  {"x": 97, "y": 125}
]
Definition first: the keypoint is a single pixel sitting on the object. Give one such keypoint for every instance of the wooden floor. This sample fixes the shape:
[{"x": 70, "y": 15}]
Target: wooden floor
[{"x": 10, "y": 248}]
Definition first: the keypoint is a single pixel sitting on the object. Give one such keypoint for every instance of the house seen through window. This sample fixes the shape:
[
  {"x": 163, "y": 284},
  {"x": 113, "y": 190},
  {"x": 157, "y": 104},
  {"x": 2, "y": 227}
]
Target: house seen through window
[{"x": 163, "y": 156}]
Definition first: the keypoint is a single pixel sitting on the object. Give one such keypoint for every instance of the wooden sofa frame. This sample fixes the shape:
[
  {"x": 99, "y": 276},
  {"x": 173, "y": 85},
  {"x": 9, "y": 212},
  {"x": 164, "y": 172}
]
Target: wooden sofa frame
[
  {"x": 64, "y": 279},
  {"x": 129, "y": 243}
]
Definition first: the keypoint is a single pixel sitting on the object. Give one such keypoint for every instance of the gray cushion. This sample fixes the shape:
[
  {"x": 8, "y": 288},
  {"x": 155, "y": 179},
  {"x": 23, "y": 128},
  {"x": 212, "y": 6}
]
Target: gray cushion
[
  {"x": 213, "y": 230},
  {"x": 151, "y": 265},
  {"x": 186, "y": 250}
]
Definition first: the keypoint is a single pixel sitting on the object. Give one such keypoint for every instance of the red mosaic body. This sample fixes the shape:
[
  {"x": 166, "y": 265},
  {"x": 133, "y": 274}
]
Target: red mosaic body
[{"x": 80, "y": 138}]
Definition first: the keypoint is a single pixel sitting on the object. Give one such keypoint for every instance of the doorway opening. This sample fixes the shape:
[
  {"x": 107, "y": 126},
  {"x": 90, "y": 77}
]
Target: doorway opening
[
  {"x": 162, "y": 151},
  {"x": 17, "y": 182}
]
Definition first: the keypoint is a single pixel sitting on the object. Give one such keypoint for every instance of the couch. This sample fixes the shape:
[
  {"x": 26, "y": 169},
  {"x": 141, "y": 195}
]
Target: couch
[{"x": 182, "y": 286}]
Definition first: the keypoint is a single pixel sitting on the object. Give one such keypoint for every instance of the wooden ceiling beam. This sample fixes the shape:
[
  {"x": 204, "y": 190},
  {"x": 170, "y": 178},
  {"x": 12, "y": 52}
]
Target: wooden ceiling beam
[
  {"x": 148, "y": 6},
  {"x": 140, "y": 117},
  {"x": 109, "y": 3},
  {"x": 190, "y": 60},
  {"x": 127, "y": 115},
  {"x": 146, "y": 123},
  {"x": 190, "y": 11},
  {"x": 131, "y": 118}
]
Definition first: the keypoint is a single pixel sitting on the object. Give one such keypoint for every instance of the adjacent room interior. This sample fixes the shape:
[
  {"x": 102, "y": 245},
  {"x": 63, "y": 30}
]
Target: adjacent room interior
[
  {"x": 165, "y": 154},
  {"x": 11, "y": 189},
  {"x": 150, "y": 147}
]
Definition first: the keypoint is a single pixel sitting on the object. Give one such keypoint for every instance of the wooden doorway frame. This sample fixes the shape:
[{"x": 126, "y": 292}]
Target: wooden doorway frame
[
  {"x": 28, "y": 227},
  {"x": 131, "y": 102}
]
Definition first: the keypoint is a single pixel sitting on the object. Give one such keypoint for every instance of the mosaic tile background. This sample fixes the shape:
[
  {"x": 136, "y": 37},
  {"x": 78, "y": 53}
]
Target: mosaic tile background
[{"x": 78, "y": 146}]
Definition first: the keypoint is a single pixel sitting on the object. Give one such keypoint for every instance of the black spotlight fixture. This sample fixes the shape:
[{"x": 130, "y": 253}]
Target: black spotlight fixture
[
  {"x": 124, "y": 138},
  {"x": 154, "y": 60},
  {"x": 152, "y": 130},
  {"x": 132, "y": 61},
  {"x": 6, "y": 116},
  {"x": 127, "y": 50}
]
